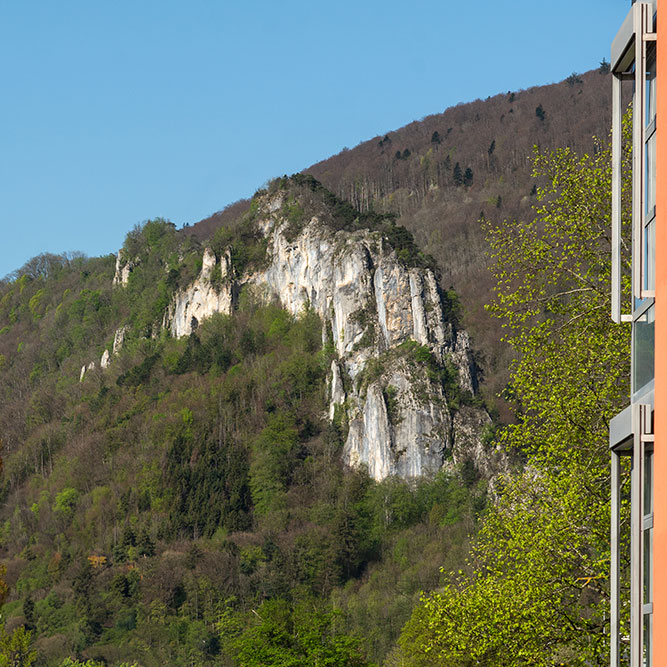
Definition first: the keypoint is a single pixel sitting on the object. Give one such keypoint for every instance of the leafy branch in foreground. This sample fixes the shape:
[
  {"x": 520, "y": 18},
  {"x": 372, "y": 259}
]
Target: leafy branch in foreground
[{"x": 536, "y": 588}]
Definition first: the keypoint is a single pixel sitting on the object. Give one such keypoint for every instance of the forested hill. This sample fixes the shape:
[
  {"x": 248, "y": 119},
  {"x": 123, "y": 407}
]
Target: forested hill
[
  {"x": 174, "y": 442},
  {"x": 443, "y": 173},
  {"x": 176, "y": 422}
]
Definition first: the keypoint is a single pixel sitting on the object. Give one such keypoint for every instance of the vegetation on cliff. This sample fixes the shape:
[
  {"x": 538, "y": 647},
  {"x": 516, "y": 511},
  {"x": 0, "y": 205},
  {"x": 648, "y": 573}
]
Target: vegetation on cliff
[{"x": 188, "y": 503}]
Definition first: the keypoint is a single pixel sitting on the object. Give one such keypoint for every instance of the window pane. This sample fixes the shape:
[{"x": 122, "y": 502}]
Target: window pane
[
  {"x": 649, "y": 177},
  {"x": 648, "y": 482},
  {"x": 650, "y": 85},
  {"x": 648, "y": 632},
  {"x": 648, "y": 565},
  {"x": 643, "y": 335},
  {"x": 649, "y": 255}
]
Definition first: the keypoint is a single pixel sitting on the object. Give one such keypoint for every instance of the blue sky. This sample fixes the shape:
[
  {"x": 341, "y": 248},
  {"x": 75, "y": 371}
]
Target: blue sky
[{"x": 114, "y": 113}]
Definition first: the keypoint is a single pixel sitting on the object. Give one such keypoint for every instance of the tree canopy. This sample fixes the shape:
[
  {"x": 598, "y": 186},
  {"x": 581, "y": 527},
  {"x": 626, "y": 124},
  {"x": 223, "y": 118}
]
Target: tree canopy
[{"x": 536, "y": 588}]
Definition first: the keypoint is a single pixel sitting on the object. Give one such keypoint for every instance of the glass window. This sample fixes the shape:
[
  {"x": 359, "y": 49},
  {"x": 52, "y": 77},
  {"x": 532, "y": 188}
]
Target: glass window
[
  {"x": 648, "y": 482},
  {"x": 643, "y": 349},
  {"x": 649, "y": 176},
  {"x": 649, "y": 255},
  {"x": 650, "y": 85},
  {"x": 648, "y": 565},
  {"x": 648, "y": 623}
]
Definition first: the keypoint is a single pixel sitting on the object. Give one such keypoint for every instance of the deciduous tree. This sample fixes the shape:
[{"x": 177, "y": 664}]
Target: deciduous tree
[{"x": 536, "y": 590}]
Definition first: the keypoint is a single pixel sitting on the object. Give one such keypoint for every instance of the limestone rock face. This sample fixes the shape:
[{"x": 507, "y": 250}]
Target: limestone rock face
[
  {"x": 387, "y": 325},
  {"x": 470, "y": 426},
  {"x": 123, "y": 269},
  {"x": 400, "y": 366},
  {"x": 208, "y": 294},
  {"x": 119, "y": 339},
  {"x": 85, "y": 369}
]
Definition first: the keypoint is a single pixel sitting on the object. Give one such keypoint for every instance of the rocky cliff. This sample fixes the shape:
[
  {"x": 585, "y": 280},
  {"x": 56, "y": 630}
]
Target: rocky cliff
[{"x": 403, "y": 381}]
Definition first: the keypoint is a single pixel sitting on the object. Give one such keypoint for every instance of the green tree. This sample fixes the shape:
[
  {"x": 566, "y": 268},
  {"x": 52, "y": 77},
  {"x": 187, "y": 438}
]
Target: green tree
[
  {"x": 16, "y": 648},
  {"x": 287, "y": 636},
  {"x": 536, "y": 589},
  {"x": 66, "y": 501}
]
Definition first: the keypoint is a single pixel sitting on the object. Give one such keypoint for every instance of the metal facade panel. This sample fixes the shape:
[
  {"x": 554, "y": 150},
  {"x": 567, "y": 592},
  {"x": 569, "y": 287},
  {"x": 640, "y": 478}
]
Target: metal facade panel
[
  {"x": 620, "y": 427},
  {"x": 616, "y": 150},
  {"x": 619, "y": 47},
  {"x": 615, "y": 585}
]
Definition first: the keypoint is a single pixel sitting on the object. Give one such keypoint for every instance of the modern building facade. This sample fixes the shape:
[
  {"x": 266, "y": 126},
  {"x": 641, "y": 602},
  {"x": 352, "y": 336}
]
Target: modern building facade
[{"x": 639, "y": 549}]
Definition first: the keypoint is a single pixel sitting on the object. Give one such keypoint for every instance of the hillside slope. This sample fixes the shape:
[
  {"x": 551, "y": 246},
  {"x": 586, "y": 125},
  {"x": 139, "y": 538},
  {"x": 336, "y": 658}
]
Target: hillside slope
[
  {"x": 413, "y": 172},
  {"x": 170, "y": 465}
]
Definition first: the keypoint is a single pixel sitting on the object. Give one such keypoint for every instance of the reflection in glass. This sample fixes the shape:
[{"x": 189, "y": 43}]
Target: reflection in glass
[
  {"x": 649, "y": 256},
  {"x": 649, "y": 181},
  {"x": 648, "y": 565},
  {"x": 648, "y": 482},
  {"x": 643, "y": 349},
  {"x": 648, "y": 629},
  {"x": 650, "y": 85}
]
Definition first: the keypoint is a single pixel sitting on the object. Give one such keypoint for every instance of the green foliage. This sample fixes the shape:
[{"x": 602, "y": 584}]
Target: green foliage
[
  {"x": 161, "y": 261},
  {"x": 273, "y": 458},
  {"x": 66, "y": 501},
  {"x": 451, "y": 307},
  {"x": 280, "y": 634},
  {"x": 150, "y": 235},
  {"x": 16, "y": 648},
  {"x": 536, "y": 591},
  {"x": 246, "y": 246}
]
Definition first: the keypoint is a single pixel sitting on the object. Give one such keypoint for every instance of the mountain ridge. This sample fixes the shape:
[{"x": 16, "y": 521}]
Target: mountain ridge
[
  {"x": 494, "y": 138},
  {"x": 383, "y": 314}
]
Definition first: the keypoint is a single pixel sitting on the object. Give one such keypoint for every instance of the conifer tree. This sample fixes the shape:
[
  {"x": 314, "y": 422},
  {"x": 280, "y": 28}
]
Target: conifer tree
[{"x": 457, "y": 175}]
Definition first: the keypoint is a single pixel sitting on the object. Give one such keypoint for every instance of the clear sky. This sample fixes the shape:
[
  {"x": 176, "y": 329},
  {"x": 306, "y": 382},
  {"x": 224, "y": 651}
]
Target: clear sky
[{"x": 112, "y": 113}]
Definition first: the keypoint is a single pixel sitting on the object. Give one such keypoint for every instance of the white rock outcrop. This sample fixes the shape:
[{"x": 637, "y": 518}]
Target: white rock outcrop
[
  {"x": 119, "y": 339},
  {"x": 374, "y": 308},
  {"x": 85, "y": 369},
  {"x": 208, "y": 294},
  {"x": 123, "y": 269}
]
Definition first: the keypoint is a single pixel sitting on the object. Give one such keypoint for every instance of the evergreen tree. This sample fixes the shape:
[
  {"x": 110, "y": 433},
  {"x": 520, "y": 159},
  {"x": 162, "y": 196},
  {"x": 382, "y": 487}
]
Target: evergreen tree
[{"x": 457, "y": 175}]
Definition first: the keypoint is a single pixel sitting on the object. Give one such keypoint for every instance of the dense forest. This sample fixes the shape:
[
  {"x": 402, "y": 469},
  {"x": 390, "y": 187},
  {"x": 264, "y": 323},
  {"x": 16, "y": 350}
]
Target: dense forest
[{"x": 188, "y": 504}]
